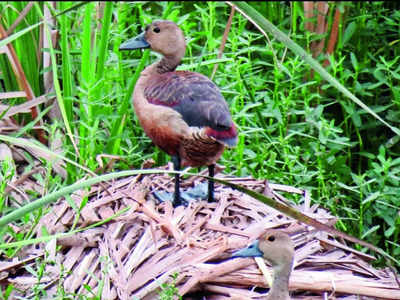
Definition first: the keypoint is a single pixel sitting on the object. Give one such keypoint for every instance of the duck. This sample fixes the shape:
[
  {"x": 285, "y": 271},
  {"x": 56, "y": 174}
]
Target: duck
[
  {"x": 277, "y": 248},
  {"x": 182, "y": 112}
]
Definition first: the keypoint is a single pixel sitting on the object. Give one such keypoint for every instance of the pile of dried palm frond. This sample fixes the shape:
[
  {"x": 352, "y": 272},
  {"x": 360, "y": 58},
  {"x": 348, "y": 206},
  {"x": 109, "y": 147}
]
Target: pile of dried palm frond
[{"x": 131, "y": 256}]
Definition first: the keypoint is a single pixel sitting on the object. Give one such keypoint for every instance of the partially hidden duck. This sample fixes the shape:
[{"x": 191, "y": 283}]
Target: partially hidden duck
[
  {"x": 182, "y": 112},
  {"x": 278, "y": 249}
]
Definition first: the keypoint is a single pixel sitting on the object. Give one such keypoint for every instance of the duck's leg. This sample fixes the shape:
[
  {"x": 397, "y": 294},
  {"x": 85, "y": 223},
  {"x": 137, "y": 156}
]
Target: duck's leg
[
  {"x": 211, "y": 169},
  {"x": 176, "y": 160}
]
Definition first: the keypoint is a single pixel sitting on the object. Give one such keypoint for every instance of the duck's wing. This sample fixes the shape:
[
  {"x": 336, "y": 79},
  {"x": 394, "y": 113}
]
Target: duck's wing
[{"x": 194, "y": 96}]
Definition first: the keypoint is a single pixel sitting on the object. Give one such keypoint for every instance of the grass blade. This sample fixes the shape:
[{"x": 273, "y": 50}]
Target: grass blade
[
  {"x": 66, "y": 62},
  {"x": 105, "y": 30}
]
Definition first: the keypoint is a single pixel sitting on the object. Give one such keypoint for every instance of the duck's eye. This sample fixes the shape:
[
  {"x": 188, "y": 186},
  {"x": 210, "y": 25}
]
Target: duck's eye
[
  {"x": 271, "y": 238},
  {"x": 156, "y": 29}
]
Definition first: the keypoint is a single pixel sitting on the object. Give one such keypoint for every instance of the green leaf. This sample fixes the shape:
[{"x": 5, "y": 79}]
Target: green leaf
[
  {"x": 370, "y": 231},
  {"x": 389, "y": 232},
  {"x": 354, "y": 61},
  {"x": 348, "y": 33},
  {"x": 378, "y": 74},
  {"x": 371, "y": 198}
]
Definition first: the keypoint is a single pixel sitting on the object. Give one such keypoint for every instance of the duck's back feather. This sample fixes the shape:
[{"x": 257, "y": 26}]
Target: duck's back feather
[{"x": 193, "y": 95}]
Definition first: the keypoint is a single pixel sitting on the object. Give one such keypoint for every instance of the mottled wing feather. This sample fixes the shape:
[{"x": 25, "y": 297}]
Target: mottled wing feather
[{"x": 194, "y": 96}]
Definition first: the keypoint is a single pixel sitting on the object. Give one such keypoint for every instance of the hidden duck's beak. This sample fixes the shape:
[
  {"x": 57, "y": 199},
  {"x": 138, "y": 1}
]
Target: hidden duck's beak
[
  {"x": 251, "y": 251},
  {"x": 138, "y": 42}
]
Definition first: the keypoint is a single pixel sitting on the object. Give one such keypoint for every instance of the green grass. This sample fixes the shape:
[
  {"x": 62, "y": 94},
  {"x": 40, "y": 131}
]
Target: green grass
[
  {"x": 294, "y": 129},
  {"x": 169, "y": 291}
]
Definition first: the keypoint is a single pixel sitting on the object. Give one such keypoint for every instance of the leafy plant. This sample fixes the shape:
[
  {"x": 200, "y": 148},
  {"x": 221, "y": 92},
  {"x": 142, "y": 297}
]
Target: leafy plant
[{"x": 169, "y": 290}]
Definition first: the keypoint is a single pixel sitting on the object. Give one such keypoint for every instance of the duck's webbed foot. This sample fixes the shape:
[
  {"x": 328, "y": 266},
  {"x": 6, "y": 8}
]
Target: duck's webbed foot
[{"x": 198, "y": 192}]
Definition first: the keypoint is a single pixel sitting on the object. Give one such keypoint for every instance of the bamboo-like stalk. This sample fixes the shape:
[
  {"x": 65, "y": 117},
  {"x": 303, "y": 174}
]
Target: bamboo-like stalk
[
  {"x": 224, "y": 38},
  {"x": 318, "y": 46},
  {"x": 23, "y": 14},
  {"x": 333, "y": 35}
]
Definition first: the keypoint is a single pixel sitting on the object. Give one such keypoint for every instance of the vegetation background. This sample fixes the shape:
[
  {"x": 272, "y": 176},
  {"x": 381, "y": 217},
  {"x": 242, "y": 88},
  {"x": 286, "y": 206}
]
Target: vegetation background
[{"x": 295, "y": 127}]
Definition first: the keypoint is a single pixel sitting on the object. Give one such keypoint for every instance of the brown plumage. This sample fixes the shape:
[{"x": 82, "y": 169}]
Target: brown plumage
[
  {"x": 182, "y": 112},
  {"x": 278, "y": 249}
]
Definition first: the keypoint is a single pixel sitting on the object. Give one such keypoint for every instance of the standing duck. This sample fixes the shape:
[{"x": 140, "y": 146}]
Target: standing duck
[
  {"x": 278, "y": 249},
  {"x": 182, "y": 112}
]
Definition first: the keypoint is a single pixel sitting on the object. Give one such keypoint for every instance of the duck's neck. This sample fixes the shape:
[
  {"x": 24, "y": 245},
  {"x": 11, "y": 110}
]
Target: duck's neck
[
  {"x": 167, "y": 64},
  {"x": 279, "y": 289}
]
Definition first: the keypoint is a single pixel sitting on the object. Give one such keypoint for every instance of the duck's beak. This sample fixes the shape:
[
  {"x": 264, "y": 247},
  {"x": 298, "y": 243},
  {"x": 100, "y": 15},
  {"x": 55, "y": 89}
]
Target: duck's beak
[
  {"x": 138, "y": 42},
  {"x": 251, "y": 251}
]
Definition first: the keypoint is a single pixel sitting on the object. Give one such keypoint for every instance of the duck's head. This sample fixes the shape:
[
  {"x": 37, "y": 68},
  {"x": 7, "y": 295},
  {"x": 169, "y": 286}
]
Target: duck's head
[
  {"x": 274, "y": 245},
  {"x": 164, "y": 37}
]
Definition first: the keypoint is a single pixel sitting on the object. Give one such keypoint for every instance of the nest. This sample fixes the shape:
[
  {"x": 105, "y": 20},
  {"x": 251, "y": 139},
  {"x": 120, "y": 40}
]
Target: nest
[{"x": 138, "y": 251}]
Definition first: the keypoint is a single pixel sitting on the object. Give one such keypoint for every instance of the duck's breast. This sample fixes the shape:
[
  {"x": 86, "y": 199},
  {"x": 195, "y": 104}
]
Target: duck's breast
[{"x": 163, "y": 125}]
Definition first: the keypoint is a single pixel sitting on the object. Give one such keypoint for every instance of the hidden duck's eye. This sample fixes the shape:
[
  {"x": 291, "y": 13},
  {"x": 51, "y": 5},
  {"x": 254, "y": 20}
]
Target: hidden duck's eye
[
  {"x": 271, "y": 238},
  {"x": 156, "y": 29}
]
